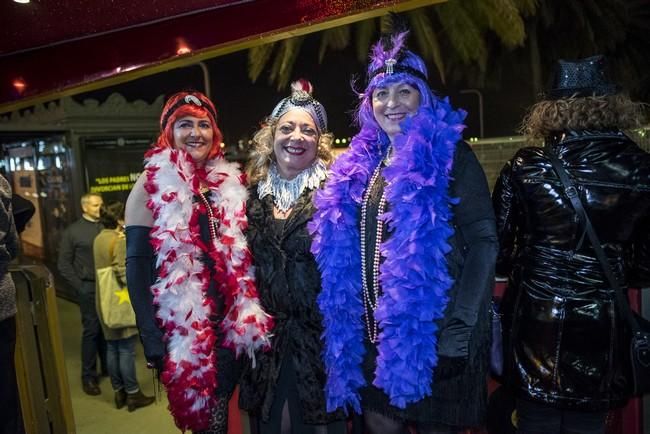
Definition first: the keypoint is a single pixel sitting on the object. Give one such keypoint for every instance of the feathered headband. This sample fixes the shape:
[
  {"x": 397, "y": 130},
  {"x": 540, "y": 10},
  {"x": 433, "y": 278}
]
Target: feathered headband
[
  {"x": 389, "y": 56},
  {"x": 302, "y": 99}
]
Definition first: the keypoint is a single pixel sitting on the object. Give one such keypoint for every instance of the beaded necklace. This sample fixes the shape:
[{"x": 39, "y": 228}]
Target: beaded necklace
[
  {"x": 414, "y": 276},
  {"x": 370, "y": 300},
  {"x": 212, "y": 220}
]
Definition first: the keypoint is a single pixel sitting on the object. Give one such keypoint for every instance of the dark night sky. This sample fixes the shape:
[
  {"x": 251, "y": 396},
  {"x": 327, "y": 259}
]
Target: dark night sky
[{"x": 242, "y": 104}]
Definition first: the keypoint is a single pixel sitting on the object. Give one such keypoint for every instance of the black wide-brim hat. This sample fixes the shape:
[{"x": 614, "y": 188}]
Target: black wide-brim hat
[{"x": 581, "y": 78}]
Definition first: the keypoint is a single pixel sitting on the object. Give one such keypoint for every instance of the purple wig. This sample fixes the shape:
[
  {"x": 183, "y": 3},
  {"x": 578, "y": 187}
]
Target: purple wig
[{"x": 407, "y": 67}]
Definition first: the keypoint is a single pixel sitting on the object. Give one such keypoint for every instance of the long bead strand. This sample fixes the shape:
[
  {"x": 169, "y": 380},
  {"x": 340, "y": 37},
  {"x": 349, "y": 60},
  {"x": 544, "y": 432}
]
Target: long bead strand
[{"x": 370, "y": 301}]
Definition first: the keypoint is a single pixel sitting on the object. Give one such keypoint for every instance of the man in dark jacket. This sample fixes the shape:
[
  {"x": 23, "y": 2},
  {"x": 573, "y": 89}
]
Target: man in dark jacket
[
  {"x": 564, "y": 339},
  {"x": 77, "y": 267}
]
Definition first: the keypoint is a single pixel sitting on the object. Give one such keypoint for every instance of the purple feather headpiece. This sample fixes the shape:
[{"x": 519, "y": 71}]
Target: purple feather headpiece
[
  {"x": 390, "y": 56},
  {"x": 391, "y": 62}
]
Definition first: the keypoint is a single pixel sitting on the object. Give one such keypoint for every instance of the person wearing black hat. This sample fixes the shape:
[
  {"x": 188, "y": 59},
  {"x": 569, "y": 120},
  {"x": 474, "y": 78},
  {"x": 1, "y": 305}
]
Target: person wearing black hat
[{"x": 565, "y": 354}]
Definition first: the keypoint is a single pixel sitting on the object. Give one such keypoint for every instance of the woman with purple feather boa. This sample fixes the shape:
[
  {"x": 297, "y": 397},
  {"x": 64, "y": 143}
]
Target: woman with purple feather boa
[{"x": 405, "y": 240}]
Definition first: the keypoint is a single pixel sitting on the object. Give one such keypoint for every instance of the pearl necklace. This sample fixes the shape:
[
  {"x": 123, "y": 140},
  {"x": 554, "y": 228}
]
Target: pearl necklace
[{"x": 370, "y": 301}]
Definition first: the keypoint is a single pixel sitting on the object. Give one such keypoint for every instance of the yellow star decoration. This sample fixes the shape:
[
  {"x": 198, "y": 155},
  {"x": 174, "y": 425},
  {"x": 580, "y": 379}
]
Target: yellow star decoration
[{"x": 123, "y": 295}]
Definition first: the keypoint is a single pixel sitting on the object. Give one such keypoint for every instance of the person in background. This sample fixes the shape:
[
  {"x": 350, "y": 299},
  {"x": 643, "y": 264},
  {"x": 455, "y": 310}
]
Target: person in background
[
  {"x": 405, "y": 240},
  {"x": 11, "y": 421},
  {"x": 283, "y": 392},
  {"x": 566, "y": 355},
  {"x": 188, "y": 265},
  {"x": 76, "y": 265},
  {"x": 109, "y": 249}
]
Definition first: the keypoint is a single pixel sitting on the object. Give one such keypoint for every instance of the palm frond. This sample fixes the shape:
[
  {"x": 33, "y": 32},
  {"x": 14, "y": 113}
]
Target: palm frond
[
  {"x": 427, "y": 39},
  {"x": 504, "y": 19},
  {"x": 284, "y": 60},
  {"x": 258, "y": 58},
  {"x": 336, "y": 38},
  {"x": 364, "y": 32},
  {"x": 527, "y": 8},
  {"x": 464, "y": 37}
]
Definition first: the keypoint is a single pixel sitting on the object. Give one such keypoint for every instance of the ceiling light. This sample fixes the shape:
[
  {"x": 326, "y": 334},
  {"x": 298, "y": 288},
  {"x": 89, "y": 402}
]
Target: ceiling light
[
  {"x": 22, "y": 1},
  {"x": 19, "y": 84},
  {"x": 183, "y": 50}
]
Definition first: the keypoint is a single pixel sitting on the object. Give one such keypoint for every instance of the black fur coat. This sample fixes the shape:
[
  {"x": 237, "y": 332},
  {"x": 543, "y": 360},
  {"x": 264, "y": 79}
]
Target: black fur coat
[{"x": 288, "y": 282}]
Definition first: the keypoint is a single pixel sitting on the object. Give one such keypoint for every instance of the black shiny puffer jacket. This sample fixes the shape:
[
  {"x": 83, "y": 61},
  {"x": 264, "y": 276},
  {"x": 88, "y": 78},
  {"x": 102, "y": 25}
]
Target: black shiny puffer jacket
[{"x": 564, "y": 342}]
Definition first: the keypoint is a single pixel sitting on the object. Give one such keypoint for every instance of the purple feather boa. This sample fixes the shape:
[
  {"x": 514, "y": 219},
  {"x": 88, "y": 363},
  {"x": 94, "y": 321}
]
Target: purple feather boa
[{"x": 413, "y": 277}]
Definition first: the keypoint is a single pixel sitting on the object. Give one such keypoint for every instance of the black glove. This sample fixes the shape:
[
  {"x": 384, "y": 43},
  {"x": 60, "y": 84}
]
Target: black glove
[
  {"x": 454, "y": 339},
  {"x": 449, "y": 367},
  {"x": 453, "y": 349},
  {"x": 140, "y": 274},
  {"x": 155, "y": 363}
]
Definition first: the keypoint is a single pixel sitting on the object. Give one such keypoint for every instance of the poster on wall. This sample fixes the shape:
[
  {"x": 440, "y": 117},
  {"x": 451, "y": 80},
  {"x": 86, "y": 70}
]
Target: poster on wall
[{"x": 113, "y": 165}]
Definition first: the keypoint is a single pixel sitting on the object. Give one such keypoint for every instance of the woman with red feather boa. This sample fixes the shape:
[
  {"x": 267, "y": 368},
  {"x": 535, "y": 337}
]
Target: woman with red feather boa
[{"x": 189, "y": 268}]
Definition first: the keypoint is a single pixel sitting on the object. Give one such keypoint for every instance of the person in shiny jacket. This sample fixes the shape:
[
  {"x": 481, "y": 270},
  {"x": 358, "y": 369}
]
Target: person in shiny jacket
[{"x": 565, "y": 343}]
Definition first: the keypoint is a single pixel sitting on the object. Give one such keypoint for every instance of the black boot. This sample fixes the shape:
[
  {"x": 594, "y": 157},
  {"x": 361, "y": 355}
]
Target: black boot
[
  {"x": 137, "y": 400},
  {"x": 120, "y": 398}
]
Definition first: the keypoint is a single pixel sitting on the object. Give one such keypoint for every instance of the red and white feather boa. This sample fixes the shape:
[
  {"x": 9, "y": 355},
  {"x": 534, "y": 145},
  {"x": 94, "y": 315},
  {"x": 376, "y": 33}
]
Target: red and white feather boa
[{"x": 184, "y": 311}]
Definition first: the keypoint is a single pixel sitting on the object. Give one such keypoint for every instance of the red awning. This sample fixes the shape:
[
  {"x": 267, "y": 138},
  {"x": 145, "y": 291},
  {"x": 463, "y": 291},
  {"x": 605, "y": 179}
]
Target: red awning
[{"x": 50, "y": 48}]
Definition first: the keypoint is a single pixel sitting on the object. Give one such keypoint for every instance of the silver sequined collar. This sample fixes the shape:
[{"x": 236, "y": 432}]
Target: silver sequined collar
[{"x": 286, "y": 192}]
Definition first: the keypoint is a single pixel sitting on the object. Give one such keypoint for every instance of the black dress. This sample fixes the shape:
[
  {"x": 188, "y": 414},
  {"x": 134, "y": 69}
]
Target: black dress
[
  {"x": 228, "y": 368},
  {"x": 459, "y": 401}
]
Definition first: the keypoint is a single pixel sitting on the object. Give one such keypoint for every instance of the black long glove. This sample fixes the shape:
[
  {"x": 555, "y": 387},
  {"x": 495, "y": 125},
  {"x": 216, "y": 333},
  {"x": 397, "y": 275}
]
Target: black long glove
[
  {"x": 140, "y": 275},
  {"x": 453, "y": 349}
]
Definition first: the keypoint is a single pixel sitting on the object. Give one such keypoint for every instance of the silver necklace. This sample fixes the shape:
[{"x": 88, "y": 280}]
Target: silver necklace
[
  {"x": 285, "y": 192},
  {"x": 370, "y": 301}
]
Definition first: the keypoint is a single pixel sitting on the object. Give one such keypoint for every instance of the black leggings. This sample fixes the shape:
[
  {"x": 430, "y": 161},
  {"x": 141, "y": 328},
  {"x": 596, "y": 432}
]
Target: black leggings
[{"x": 376, "y": 423}]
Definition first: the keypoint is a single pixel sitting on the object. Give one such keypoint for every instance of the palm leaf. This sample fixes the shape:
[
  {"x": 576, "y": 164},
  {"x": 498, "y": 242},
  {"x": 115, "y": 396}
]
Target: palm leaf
[
  {"x": 503, "y": 18},
  {"x": 464, "y": 37},
  {"x": 258, "y": 58},
  {"x": 527, "y": 8},
  {"x": 336, "y": 38},
  {"x": 364, "y": 34},
  {"x": 426, "y": 39},
  {"x": 284, "y": 61}
]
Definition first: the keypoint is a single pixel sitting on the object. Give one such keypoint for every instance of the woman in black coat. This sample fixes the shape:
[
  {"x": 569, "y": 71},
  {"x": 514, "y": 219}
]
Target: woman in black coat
[
  {"x": 405, "y": 239},
  {"x": 564, "y": 340},
  {"x": 283, "y": 390}
]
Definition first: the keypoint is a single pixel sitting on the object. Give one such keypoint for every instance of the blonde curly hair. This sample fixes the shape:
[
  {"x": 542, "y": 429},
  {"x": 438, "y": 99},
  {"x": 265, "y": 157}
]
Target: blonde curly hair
[
  {"x": 262, "y": 154},
  {"x": 550, "y": 117}
]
